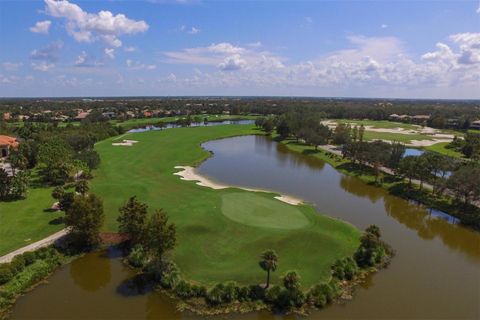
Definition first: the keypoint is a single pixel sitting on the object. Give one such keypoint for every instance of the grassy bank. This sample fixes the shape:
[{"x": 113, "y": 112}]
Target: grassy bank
[{"x": 206, "y": 226}]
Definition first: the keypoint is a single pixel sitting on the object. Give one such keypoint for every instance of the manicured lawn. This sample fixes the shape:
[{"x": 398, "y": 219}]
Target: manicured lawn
[
  {"x": 405, "y": 138},
  {"x": 440, "y": 148},
  {"x": 25, "y": 221},
  {"x": 221, "y": 233},
  {"x": 385, "y": 124}
]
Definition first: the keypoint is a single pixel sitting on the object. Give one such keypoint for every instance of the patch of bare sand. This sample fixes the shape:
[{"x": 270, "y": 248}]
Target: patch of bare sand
[{"x": 189, "y": 174}]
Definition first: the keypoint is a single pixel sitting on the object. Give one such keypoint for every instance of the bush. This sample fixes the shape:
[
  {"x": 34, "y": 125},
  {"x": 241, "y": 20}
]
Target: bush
[
  {"x": 5, "y": 274},
  {"x": 222, "y": 293},
  {"x": 272, "y": 294},
  {"x": 17, "y": 264},
  {"x": 29, "y": 257},
  {"x": 183, "y": 289},
  {"x": 199, "y": 291},
  {"x": 323, "y": 293},
  {"x": 243, "y": 293},
  {"x": 214, "y": 296},
  {"x": 137, "y": 257},
  {"x": 256, "y": 292},
  {"x": 345, "y": 269}
]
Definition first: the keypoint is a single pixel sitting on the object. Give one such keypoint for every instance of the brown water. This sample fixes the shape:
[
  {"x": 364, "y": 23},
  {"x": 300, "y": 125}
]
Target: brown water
[{"x": 434, "y": 275}]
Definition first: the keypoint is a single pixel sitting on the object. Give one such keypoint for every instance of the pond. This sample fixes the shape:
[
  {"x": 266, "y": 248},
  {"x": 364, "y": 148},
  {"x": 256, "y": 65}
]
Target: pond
[
  {"x": 193, "y": 124},
  {"x": 435, "y": 273},
  {"x": 413, "y": 152}
]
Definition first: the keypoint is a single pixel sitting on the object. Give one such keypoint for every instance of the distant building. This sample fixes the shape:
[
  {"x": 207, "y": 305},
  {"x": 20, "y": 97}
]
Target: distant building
[
  {"x": 109, "y": 115},
  {"x": 420, "y": 118},
  {"x": 6, "y": 145},
  {"x": 7, "y": 116},
  {"x": 475, "y": 125},
  {"x": 82, "y": 115}
]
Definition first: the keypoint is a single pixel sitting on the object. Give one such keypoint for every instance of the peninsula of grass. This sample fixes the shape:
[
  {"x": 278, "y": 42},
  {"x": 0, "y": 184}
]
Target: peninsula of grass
[{"x": 220, "y": 233}]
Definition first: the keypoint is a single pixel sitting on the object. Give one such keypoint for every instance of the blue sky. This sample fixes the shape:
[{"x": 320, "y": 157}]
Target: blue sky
[{"x": 404, "y": 49}]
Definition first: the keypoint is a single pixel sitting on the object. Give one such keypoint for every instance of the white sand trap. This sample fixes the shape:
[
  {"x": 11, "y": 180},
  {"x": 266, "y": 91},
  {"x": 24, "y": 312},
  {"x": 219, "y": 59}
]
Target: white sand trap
[
  {"x": 189, "y": 174},
  {"x": 426, "y": 143},
  {"x": 125, "y": 143}
]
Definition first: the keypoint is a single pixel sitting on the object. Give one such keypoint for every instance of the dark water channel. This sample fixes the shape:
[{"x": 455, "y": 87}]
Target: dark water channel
[{"x": 434, "y": 275}]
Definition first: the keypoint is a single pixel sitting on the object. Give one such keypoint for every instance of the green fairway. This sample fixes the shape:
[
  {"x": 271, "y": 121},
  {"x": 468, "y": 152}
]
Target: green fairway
[
  {"x": 253, "y": 209},
  {"x": 441, "y": 148},
  {"x": 381, "y": 124},
  {"x": 405, "y": 138},
  {"x": 25, "y": 221},
  {"x": 221, "y": 233}
]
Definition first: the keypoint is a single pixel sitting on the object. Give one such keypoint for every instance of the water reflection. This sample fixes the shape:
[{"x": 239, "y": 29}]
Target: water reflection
[{"x": 81, "y": 271}]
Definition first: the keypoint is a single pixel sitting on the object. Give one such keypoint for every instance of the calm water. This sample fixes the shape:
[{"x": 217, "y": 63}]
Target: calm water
[
  {"x": 193, "y": 124},
  {"x": 435, "y": 274}
]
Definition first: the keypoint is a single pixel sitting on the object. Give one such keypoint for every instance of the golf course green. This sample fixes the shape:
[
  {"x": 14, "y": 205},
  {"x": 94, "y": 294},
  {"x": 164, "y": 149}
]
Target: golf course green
[{"x": 220, "y": 233}]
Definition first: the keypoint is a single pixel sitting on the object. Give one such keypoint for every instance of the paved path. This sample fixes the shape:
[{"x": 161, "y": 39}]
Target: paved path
[{"x": 34, "y": 246}]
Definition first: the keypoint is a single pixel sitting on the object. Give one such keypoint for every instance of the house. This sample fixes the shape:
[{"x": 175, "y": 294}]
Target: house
[
  {"x": 7, "y": 116},
  {"x": 82, "y": 115},
  {"x": 6, "y": 144},
  {"x": 475, "y": 125},
  {"x": 420, "y": 118},
  {"x": 109, "y": 115}
]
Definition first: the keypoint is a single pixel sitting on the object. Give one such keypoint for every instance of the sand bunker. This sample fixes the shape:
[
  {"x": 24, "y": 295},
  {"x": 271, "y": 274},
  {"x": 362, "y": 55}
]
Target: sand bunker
[
  {"x": 189, "y": 174},
  {"x": 125, "y": 143},
  {"x": 426, "y": 143}
]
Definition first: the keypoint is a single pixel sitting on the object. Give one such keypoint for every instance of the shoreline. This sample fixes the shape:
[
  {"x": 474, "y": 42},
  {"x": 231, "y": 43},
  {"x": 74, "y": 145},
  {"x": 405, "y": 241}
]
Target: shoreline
[{"x": 189, "y": 173}]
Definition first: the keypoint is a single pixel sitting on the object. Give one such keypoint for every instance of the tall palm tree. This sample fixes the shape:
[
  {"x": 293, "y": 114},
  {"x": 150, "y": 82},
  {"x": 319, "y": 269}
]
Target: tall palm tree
[{"x": 268, "y": 262}]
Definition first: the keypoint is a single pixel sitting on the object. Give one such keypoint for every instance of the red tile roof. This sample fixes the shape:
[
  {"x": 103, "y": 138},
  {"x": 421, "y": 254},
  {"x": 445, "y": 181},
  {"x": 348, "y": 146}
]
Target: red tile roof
[{"x": 8, "y": 141}]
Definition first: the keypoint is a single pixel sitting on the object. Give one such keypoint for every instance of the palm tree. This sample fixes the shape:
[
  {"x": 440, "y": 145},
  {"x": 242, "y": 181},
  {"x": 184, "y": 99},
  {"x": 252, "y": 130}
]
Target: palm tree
[{"x": 268, "y": 262}]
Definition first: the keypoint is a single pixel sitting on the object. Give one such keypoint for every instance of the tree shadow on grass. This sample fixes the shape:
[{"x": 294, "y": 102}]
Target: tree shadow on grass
[{"x": 57, "y": 221}]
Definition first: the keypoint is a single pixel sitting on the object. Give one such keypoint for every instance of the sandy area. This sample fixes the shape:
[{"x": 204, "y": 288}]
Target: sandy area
[
  {"x": 125, "y": 143},
  {"x": 189, "y": 174},
  {"x": 435, "y": 133}
]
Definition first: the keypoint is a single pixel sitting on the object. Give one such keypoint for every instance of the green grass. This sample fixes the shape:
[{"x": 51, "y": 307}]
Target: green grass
[
  {"x": 24, "y": 221},
  {"x": 405, "y": 138},
  {"x": 441, "y": 148},
  {"x": 214, "y": 244},
  {"x": 260, "y": 211}
]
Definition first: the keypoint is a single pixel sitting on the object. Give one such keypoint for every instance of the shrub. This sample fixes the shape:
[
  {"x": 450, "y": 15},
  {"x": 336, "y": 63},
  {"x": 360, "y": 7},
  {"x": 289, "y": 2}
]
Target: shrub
[
  {"x": 222, "y": 293},
  {"x": 199, "y": 291},
  {"x": 256, "y": 292},
  {"x": 137, "y": 257},
  {"x": 272, "y": 293},
  {"x": 345, "y": 269},
  {"x": 215, "y": 295},
  {"x": 183, "y": 289},
  {"x": 17, "y": 264},
  {"x": 5, "y": 274},
  {"x": 243, "y": 293},
  {"x": 29, "y": 257}
]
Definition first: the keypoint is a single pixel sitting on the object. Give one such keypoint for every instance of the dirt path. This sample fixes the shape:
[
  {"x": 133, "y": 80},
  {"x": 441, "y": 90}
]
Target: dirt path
[{"x": 34, "y": 246}]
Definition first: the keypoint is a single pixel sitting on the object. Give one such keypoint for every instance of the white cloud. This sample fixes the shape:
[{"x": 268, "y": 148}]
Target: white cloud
[
  {"x": 47, "y": 53},
  {"x": 90, "y": 27},
  {"x": 42, "y": 66},
  {"x": 234, "y": 62},
  {"x": 130, "y": 49},
  {"x": 257, "y": 44},
  {"x": 384, "y": 26},
  {"x": 12, "y": 66},
  {"x": 135, "y": 65},
  {"x": 41, "y": 27},
  {"x": 109, "y": 52},
  {"x": 193, "y": 30},
  {"x": 81, "y": 59}
]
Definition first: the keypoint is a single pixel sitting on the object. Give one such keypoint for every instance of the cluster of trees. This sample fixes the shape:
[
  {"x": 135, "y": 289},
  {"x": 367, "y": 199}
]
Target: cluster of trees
[
  {"x": 470, "y": 146},
  {"x": 149, "y": 238},
  {"x": 13, "y": 186}
]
